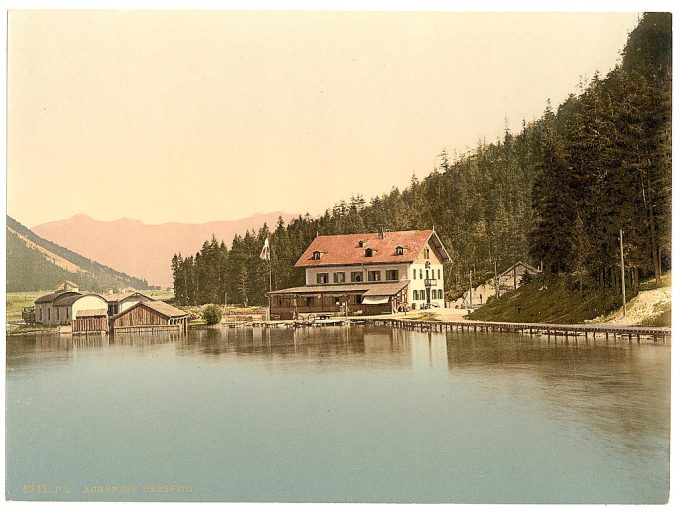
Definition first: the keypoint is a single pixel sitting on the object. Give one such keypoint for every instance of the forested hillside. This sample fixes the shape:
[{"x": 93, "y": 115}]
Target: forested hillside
[
  {"x": 555, "y": 194},
  {"x": 34, "y": 263}
]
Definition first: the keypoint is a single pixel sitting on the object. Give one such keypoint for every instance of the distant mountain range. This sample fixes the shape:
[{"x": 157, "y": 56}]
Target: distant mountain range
[
  {"x": 146, "y": 250},
  {"x": 34, "y": 263}
]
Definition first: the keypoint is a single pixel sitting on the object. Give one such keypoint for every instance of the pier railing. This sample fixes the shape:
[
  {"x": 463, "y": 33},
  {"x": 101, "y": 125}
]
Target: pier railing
[{"x": 658, "y": 334}]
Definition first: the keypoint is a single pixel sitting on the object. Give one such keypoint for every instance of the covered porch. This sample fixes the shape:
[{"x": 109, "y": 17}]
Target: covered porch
[{"x": 337, "y": 299}]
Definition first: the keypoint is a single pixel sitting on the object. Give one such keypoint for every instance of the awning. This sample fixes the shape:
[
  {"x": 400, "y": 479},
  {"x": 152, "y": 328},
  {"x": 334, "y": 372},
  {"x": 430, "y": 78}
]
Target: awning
[
  {"x": 375, "y": 299},
  {"x": 91, "y": 313}
]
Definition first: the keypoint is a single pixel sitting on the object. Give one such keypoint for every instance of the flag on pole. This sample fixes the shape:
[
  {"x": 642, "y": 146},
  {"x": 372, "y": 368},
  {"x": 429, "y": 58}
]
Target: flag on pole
[{"x": 264, "y": 254}]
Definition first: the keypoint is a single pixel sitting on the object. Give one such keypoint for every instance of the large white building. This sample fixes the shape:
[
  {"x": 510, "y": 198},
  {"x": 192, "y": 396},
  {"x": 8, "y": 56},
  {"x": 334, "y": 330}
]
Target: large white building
[
  {"x": 63, "y": 307},
  {"x": 368, "y": 273}
]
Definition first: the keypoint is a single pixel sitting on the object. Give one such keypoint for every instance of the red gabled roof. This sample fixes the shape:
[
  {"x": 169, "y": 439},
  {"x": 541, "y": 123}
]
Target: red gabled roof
[{"x": 344, "y": 249}]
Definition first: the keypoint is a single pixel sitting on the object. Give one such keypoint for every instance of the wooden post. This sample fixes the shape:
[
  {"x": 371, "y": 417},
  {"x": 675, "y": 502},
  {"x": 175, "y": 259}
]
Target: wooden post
[
  {"x": 470, "y": 289},
  {"x": 623, "y": 273},
  {"x": 495, "y": 276}
]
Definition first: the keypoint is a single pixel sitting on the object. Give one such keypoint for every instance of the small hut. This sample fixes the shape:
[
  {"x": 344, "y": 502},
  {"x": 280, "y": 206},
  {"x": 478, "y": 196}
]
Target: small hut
[
  {"x": 67, "y": 286},
  {"x": 150, "y": 316},
  {"x": 515, "y": 274}
]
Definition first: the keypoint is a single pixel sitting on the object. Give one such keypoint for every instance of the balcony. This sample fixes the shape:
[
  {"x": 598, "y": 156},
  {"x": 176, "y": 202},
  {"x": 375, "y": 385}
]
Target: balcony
[{"x": 430, "y": 283}]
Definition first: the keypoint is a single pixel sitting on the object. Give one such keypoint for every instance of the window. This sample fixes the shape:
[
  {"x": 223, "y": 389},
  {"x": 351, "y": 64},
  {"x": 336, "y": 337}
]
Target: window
[
  {"x": 422, "y": 294},
  {"x": 357, "y": 299},
  {"x": 441, "y": 294},
  {"x": 316, "y": 255},
  {"x": 427, "y": 274},
  {"x": 309, "y": 301},
  {"x": 426, "y": 253},
  {"x": 357, "y": 277},
  {"x": 421, "y": 273},
  {"x": 392, "y": 275},
  {"x": 415, "y": 294},
  {"x": 400, "y": 251},
  {"x": 414, "y": 274},
  {"x": 439, "y": 273},
  {"x": 322, "y": 278},
  {"x": 374, "y": 275},
  {"x": 368, "y": 253},
  {"x": 339, "y": 277}
]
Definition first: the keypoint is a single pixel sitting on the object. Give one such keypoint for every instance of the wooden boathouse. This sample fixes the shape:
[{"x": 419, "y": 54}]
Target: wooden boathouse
[
  {"x": 150, "y": 316},
  {"x": 90, "y": 321}
]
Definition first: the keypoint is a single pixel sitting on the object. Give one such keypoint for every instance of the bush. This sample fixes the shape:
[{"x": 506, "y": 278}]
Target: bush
[{"x": 212, "y": 314}]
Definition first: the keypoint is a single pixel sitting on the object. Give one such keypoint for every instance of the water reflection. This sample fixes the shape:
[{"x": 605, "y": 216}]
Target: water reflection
[
  {"x": 418, "y": 414},
  {"x": 379, "y": 347},
  {"x": 620, "y": 389}
]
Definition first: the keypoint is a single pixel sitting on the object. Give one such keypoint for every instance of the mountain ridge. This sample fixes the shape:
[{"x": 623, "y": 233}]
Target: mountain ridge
[
  {"x": 143, "y": 249},
  {"x": 35, "y": 263}
]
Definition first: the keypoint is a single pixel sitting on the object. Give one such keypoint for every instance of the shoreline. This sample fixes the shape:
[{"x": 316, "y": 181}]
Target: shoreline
[{"x": 451, "y": 322}]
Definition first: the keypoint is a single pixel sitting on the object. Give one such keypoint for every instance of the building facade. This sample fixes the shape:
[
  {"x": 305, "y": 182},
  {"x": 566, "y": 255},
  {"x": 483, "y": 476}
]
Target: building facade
[
  {"x": 62, "y": 307},
  {"x": 366, "y": 274},
  {"x": 90, "y": 312},
  {"x": 515, "y": 274},
  {"x": 150, "y": 316},
  {"x": 119, "y": 302}
]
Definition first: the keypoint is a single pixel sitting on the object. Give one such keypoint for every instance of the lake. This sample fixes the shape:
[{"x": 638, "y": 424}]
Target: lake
[{"x": 352, "y": 414}]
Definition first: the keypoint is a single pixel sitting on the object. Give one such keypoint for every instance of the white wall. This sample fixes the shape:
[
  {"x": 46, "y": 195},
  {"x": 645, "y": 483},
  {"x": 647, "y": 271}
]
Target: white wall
[
  {"x": 88, "y": 302},
  {"x": 310, "y": 272},
  {"x": 436, "y": 271}
]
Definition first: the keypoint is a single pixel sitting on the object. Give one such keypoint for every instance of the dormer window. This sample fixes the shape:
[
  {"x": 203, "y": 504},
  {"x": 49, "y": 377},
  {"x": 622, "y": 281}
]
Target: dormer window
[
  {"x": 316, "y": 255},
  {"x": 361, "y": 244},
  {"x": 368, "y": 253},
  {"x": 400, "y": 251}
]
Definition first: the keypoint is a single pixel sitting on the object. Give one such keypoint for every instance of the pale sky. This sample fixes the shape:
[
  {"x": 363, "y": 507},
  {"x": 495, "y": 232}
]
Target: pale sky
[{"x": 201, "y": 116}]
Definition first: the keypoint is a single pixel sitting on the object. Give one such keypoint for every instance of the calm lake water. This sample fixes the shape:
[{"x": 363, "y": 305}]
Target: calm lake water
[{"x": 354, "y": 414}]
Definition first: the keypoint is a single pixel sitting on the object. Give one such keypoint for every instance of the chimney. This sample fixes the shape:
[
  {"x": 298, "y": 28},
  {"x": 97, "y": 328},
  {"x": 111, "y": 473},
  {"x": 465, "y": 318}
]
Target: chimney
[
  {"x": 110, "y": 291},
  {"x": 381, "y": 234}
]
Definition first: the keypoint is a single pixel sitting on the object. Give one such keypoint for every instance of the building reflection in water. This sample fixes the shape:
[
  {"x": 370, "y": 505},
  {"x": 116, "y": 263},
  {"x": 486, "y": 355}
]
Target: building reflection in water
[
  {"x": 377, "y": 347},
  {"x": 612, "y": 388}
]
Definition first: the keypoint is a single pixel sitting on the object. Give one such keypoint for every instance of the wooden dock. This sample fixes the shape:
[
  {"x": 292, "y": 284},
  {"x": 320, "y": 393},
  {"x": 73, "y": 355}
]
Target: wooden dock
[{"x": 658, "y": 334}]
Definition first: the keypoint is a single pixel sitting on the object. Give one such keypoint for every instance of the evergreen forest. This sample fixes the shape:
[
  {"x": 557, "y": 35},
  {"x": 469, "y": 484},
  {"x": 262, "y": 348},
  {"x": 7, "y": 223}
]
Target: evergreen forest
[{"x": 555, "y": 195}]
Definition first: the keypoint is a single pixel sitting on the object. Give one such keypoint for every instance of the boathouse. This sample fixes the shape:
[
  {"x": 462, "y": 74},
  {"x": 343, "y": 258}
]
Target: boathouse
[
  {"x": 151, "y": 316},
  {"x": 90, "y": 321},
  {"x": 62, "y": 307},
  {"x": 119, "y": 302},
  {"x": 368, "y": 274}
]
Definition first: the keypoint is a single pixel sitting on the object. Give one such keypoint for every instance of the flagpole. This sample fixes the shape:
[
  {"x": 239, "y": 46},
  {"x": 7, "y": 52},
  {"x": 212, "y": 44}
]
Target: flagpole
[{"x": 269, "y": 254}]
